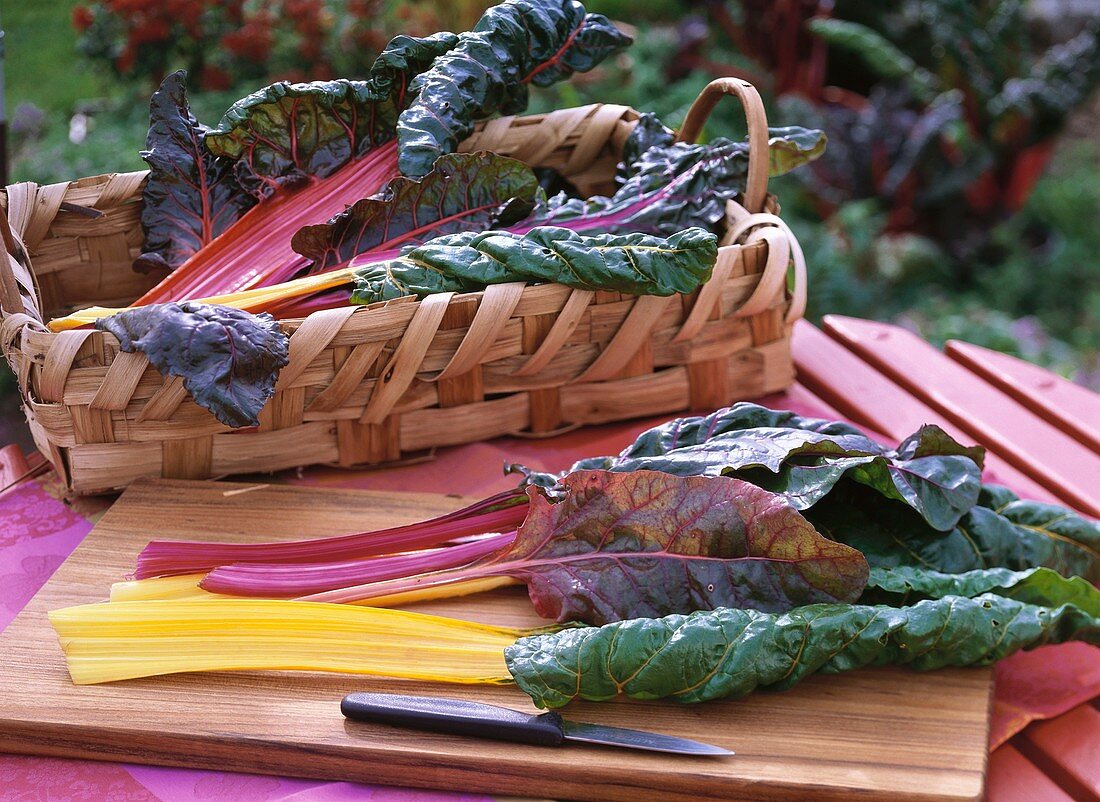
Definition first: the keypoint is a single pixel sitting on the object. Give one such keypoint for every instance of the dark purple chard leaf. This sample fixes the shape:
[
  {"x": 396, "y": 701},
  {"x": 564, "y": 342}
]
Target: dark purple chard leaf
[
  {"x": 650, "y": 132},
  {"x": 191, "y": 196},
  {"x": 289, "y": 132},
  {"x": 463, "y": 192},
  {"x": 645, "y": 544},
  {"x": 516, "y": 43},
  {"x": 228, "y": 359}
]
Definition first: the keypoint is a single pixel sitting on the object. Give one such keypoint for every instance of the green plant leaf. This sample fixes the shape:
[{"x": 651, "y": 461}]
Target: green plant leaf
[
  {"x": 633, "y": 263},
  {"x": 1042, "y": 586},
  {"x": 290, "y": 132},
  {"x": 728, "y": 653},
  {"x": 881, "y": 55},
  {"x": 804, "y": 458},
  {"x": 229, "y": 360},
  {"x": 891, "y": 535},
  {"x": 514, "y": 44},
  {"x": 463, "y": 192}
]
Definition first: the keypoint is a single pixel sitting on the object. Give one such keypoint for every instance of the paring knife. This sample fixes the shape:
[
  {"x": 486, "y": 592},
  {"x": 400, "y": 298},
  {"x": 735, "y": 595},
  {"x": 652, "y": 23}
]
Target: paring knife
[{"x": 462, "y": 717}]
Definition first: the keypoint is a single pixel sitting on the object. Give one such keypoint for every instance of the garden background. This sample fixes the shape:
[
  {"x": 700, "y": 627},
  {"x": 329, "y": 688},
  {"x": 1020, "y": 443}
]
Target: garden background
[{"x": 959, "y": 194}]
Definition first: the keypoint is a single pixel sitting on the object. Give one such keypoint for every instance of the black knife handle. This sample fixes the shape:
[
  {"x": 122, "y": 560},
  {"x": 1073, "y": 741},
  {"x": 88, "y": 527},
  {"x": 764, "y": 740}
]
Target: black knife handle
[{"x": 455, "y": 717}]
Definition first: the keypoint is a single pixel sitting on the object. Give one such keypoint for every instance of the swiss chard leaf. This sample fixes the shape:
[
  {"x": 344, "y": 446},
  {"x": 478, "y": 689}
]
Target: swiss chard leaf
[
  {"x": 516, "y": 43},
  {"x": 674, "y": 186},
  {"x": 643, "y": 544},
  {"x": 191, "y": 195},
  {"x": 633, "y": 263},
  {"x": 1042, "y": 586},
  {"x": 229, "y": 360},
  {"x": 463, "y": 192},
  {"x": 286, "y": 133},
  {"x": 622, "y": 545},
  {"x": 891, "y": 535},
  {"x": 728, "y": 653},
  {"x": 804, "y": 458}
]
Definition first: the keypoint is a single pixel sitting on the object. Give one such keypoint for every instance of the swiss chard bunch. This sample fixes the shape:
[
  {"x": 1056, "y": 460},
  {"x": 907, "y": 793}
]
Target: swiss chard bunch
[{"x": 293, "y": 154}]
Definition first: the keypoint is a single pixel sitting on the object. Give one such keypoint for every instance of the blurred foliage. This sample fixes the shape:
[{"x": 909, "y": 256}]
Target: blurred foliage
[{"x": 222, "y": 43}]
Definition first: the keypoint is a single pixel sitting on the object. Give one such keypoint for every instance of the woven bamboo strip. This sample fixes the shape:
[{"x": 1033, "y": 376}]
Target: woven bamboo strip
[{"x": 366, "y": 385}]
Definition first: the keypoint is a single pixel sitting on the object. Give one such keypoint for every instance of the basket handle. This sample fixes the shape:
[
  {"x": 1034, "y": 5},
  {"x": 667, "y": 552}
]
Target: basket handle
[{"x": 756, "y": 186}]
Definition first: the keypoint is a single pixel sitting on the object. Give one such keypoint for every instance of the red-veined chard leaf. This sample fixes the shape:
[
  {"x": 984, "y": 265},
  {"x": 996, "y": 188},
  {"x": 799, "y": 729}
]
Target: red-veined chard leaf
[
  {"x": 191, "y": 195},
  {"x": 641, "y": 544},
  {"x": 516, "y": 43},
  {"x": 463, "y": 192},
  {"x": 804, "y": 458},
  {"x": 229, "y": 360},
  {"x": 670, "y": 187},
  {"x": 634, "y": 263},
  {"x": 729, "y": 653}
]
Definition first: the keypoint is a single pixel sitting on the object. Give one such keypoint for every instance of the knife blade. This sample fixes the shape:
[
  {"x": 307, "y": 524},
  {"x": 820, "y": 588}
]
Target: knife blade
[{"x": 463, "y": 717}]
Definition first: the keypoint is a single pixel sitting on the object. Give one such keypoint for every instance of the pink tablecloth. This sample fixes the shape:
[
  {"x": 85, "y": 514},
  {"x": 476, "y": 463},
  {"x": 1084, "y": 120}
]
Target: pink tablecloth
[{"x": 38, "y": 530}]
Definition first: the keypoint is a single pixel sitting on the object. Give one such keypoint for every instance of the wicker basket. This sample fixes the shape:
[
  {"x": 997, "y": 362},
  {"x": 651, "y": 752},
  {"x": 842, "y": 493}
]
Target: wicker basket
[{"x": 367, "y": 385}]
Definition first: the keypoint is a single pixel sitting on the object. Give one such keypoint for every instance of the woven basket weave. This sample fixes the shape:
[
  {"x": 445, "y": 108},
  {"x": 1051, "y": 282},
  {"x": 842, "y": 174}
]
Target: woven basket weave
[{"x": 367, "y": 385}]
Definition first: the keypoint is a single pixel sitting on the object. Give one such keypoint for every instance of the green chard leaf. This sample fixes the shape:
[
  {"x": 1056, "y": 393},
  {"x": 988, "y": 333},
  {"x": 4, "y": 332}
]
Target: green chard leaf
[
  {"x": 1041, "y": 586},
  {"x": 229, "y": 360},
  {"x": 729, "y": 653},
  {"x": 463, "y": 192},
  {"x": 673, "y": 186},
  {"x": 516, "y": 43},
  {"x": 891, "y": 535},
  {"x": 289, "y": 132},
  {"x": 804, "y": 458},
  {"x": 635, "y": 263}
]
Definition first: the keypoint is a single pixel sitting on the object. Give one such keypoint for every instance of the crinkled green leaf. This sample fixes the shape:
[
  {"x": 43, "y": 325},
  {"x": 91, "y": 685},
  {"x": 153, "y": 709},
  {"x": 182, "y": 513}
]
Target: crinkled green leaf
[
  {"x": 516, "y": 43},
  {"x": 804, "y": 458},
  {"x": 892, "y": 535},
  {"x": 1042, "y": 586},
  {"x": 674, "y": 186},
  {"x": 463, "y": 192},
  {"x": 288, "y": 132},
  {"x": 728, "y": 653},
  {"x": 1047, "y": 520},
  {"x": 633, "y": 263},
  {"x": 228, "y": 359},
  {"x": 191, "y": 195}
]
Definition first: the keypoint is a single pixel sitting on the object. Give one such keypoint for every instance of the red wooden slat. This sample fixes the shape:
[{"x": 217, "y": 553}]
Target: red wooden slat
[
  {"x": 1067, "y": 749},
  {"x": 1013, "y": 778},
  {"x": 13, "y": 465},
  {"x": 1068, "y": 406},
  {"x": 1048, "y": 455},
  {"x": 870, "y": 399}
]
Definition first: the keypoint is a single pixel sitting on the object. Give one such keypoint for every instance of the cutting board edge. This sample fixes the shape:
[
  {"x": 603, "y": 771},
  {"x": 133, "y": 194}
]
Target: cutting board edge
[{"x": 332, "y": 764}]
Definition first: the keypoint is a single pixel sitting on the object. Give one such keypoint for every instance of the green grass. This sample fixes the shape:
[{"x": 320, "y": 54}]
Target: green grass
[{"x": 41, "y": 64}]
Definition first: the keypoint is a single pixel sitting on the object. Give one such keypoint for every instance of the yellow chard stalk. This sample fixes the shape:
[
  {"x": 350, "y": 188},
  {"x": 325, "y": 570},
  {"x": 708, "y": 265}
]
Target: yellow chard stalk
[{"x": 129, "y": 639}]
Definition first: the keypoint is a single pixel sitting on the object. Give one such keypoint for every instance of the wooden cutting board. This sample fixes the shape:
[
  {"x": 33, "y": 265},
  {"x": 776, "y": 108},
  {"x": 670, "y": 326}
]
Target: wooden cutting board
[{"x": 874, "y": 733}]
